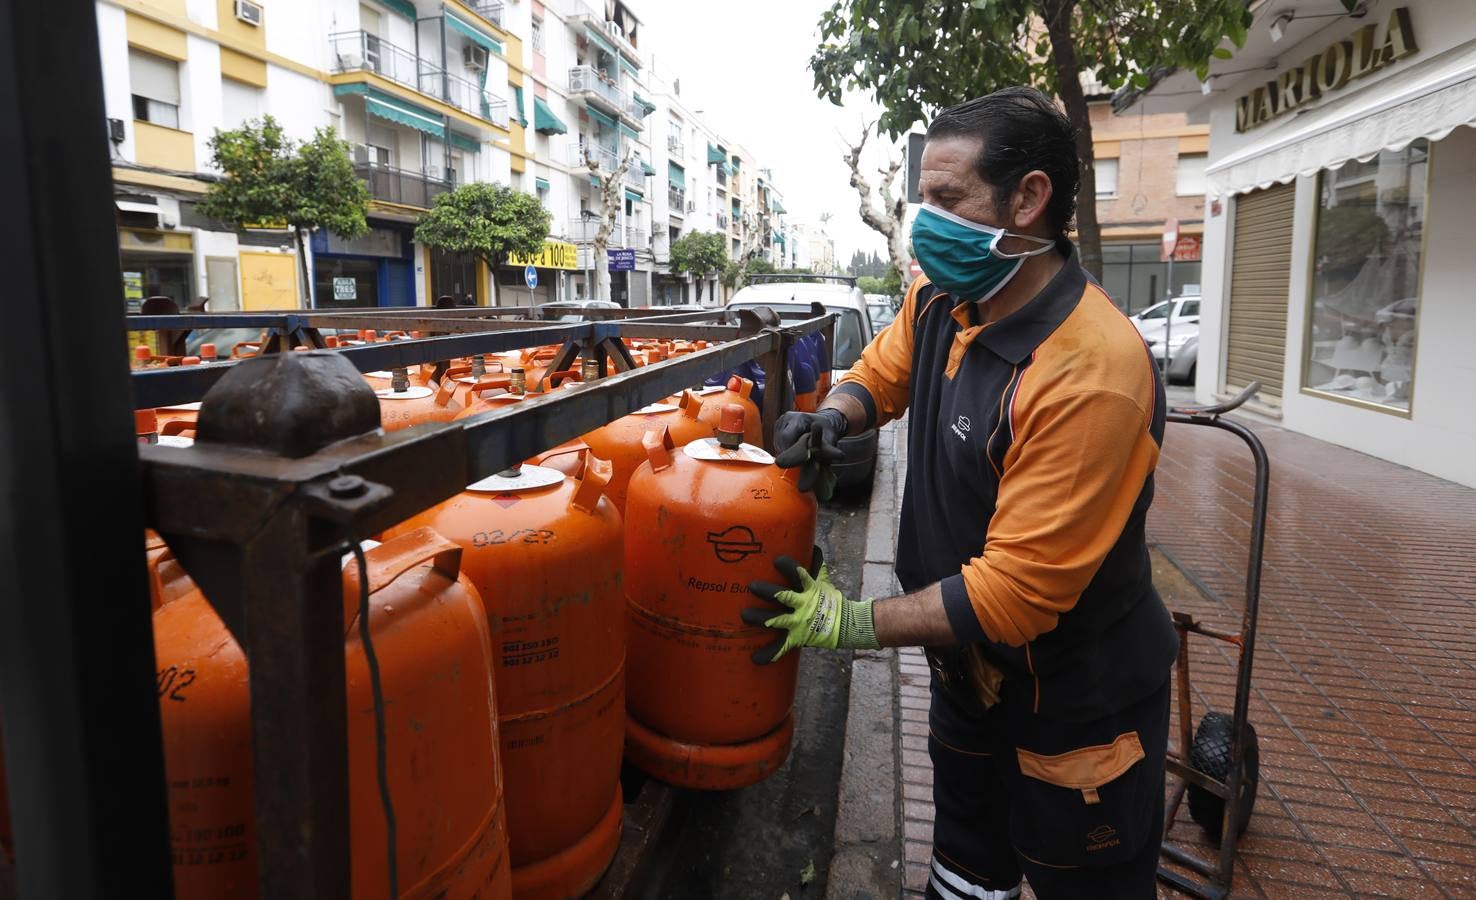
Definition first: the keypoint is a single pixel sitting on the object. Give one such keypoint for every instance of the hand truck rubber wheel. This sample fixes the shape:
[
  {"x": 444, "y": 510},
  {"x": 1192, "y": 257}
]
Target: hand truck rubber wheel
[{"x": 1211, "y": 755}]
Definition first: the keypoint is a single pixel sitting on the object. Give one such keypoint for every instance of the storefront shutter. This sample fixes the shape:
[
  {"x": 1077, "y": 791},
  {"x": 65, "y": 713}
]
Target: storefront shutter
[{"x": 1259, "y": 276}]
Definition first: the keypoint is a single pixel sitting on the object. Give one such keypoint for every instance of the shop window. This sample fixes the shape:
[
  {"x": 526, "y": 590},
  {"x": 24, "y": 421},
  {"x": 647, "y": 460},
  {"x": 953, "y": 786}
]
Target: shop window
[
  {"x": 1106, "y": 177},
  {"x": 154, "y": 83},
  {"x": 1189, "y": 181},
  {"x": 1135, "y": 278},
  {"x": 1366, "y": 279}
]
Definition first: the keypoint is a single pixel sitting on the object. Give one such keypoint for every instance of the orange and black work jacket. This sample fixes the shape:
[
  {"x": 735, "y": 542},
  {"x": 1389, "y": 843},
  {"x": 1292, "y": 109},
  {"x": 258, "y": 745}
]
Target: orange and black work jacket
[{"x": 1031, "y": 449}]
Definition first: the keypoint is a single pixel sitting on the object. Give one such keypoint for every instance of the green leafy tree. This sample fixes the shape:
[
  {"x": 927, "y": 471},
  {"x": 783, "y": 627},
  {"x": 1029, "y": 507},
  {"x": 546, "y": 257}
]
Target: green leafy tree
[
  {"x": 918, "y": 56},
  {"x": 270, "y": 178},
  {"x": 489, "y": 221},
  {"x": 700, "y": 253},
  {"x": 869, "y": 284}
]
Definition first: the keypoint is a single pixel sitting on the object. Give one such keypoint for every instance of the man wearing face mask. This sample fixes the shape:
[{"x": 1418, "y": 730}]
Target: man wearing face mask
[{"x": 1036, "y": 420}]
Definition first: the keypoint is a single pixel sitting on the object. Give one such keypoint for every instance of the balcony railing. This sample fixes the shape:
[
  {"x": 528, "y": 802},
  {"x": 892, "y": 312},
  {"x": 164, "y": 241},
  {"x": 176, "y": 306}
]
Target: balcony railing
[
  {"x": 589, "y": 80},
  {"x": 491, "y": 10},
  {"x": 400, "y": 186},
  {"x": 582, "y": 230},
  {"x": 636, "y": 237},
  {"x": 609, "y": 159},
  {"x": 676, "y": 199},
  {"x": 352, "y": 51},
  {"x": 675, "y": 147}
]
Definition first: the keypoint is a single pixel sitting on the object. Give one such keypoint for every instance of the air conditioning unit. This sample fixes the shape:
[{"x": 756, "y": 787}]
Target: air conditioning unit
[
  {"x": 615, "y": 29},
  {"x": 361, "y": 154},
  {"x": 249, "y": 12},
  {"x": 474, "y": 56}
]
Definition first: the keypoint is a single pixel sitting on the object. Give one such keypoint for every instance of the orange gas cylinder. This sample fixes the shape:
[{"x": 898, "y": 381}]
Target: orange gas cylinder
[
  {"x": 545, "y": 550},
  {"x": 431, "y": 639},
  {"x": 403, "y": 404},
  {"x": 620, "y": 441},
  {"x": 702, "y": 523},
  {"x": 739, "y": 391}
]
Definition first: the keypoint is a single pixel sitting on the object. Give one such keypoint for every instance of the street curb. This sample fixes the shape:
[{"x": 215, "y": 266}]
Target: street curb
[{"x": 867, "y": 862}]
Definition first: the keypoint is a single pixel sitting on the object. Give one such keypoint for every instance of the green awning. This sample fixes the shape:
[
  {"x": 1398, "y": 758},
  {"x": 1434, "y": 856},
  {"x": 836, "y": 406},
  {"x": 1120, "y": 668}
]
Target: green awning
[
  {"x": 633, "y": 195},
  {"x": 462, "y": 142},
  {"x": 601, "y": 117},
  {"x": 644, "y": 104},
  {"x": 403, "y": 7},
  {"x": 777, "y": 238},
  {"x": 735, "y": 164},
  {"x": 646, "y": 168},
  {"x": 473, "y": 34},
  {"x": 518, "y": 99},
  {"x": 728, "y": 168},
  {"x": 629, "y": 66},
  {"x": 594, "y": 180},
  {"x": 676, "y": 175},
  {"x": 392, "y": 109},
  {"x": 776, "y": 206},
  {"x": 540, "y": 184},
  {"x": 629, "y": 132},
  {"x": 599, "y": 41},
  {"x": 544, "y": 120},
  {"x": 716, "y": 155}
]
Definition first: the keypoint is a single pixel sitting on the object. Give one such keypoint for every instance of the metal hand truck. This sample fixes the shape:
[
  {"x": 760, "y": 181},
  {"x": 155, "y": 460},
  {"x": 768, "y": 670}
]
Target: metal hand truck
[{"x": 1218, "y": 764}]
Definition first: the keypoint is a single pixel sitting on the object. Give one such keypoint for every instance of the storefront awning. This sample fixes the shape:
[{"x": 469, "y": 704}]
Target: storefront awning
[
  {"x": 544, "y": 120},
  {"x": 473, "y": 34},
  {"x": 676, "y": 175},
  {"x": 1426, "y": 100},
  {"x": 393, "y": 109},
  {"x": 601, "y": 118}
]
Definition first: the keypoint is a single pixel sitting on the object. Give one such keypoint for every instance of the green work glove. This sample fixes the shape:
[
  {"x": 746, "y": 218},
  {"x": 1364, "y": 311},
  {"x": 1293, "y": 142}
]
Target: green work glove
[{"x": 819, "y": 615}]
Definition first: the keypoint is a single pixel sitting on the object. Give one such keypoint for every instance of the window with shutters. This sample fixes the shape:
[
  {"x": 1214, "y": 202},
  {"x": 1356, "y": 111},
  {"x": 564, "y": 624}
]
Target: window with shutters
[
  {"x": 1189, "y": 180},
  {"x": 154, "y": 83},
  {"x": 1366, "y": 279},
  {"x": 239, "y": 102},
  {"x": 1106, "y": 170}
]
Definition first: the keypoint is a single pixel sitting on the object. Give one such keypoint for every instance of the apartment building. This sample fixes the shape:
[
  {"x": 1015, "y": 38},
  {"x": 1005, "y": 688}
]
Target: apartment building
[
  {"x": 429, "y": 94},
  {"x": 426, "y": 93}
]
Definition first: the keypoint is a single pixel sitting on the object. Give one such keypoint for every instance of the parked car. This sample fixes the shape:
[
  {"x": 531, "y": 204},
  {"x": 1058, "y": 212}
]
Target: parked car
[
  {"x": 1184, "y": 362},
  {"x": 790, "y": 296},
  {"x": 569, "y": 310},
  {"x": 1186, "y": 312},
  {"x": 883, "y": 310}
]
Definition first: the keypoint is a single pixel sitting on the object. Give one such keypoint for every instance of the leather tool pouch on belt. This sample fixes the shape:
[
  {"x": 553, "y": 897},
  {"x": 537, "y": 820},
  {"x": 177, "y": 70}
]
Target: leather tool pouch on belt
[{"x": 967, "y": 675}]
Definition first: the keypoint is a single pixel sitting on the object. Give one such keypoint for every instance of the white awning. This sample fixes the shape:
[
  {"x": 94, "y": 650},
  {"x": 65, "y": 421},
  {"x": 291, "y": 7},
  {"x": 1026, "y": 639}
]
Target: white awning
[
  {"x": 136, "y": 206},
  {"x": 1429, "y": 100}
]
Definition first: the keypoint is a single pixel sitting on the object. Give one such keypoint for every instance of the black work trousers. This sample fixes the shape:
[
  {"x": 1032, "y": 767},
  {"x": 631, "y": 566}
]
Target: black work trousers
[{"x": 1077, "y": 807}]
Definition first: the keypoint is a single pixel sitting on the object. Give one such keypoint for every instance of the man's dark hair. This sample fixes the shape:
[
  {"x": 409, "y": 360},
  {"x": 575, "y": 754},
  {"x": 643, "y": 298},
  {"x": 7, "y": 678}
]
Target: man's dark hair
[{"x": 1020, "y": 130}]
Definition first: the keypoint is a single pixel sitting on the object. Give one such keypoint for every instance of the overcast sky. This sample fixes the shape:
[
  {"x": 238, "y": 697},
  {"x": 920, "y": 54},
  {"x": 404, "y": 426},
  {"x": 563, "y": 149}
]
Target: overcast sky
[{"x": 745, "y": 66}]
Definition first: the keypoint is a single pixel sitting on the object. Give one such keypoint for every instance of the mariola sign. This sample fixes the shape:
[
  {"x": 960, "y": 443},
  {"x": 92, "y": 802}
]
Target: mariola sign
[{"x": 1359, "y": 55}]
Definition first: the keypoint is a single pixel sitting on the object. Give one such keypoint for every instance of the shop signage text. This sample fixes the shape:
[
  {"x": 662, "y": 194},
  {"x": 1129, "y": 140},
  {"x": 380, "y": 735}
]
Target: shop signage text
[
  {"x": 622, "y": 260},
  {"x": 555, "y": 255},
  {"x": 1344, "y": 61}
]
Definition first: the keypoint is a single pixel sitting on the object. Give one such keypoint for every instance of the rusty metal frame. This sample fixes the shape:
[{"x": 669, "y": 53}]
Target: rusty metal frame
[
  {"x": 262, "y": 535},
  {"x": 1220, "y": 872}
]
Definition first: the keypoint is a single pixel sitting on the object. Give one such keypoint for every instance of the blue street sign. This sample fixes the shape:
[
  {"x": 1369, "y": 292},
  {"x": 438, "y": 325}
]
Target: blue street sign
[
  {"x": 530, "y": 276},
  {"x": 622, "y": 260}
]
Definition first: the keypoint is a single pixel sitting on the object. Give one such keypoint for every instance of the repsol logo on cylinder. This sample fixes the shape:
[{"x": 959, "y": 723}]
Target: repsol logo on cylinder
[{"x": 1344, "y": 61}]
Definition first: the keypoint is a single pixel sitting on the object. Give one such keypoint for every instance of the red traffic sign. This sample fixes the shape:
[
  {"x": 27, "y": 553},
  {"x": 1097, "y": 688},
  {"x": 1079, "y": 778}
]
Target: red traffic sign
[
  {"x": 914, "y": 269},
  {"x": 1170, "y": 240}
]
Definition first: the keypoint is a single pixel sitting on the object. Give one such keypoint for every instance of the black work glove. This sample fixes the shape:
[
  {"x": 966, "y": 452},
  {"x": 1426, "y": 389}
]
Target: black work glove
[{"x": 812, "y": 441}]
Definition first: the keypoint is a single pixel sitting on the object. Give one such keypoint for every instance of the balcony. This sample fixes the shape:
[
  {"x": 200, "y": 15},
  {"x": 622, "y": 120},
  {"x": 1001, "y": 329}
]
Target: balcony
[
  {"x": 360, "y": 51},
  {"x": 491, "y": 10},
  {"x": 674, "y": 147},
  {"x": 400, "y": 186},
  {"x": 590, "y": 85},
  {"x": 636, "y": 238},
  {"x": 676, "y": 200},
  {"x": 580, "y": 154},
  {"x": 583, "y": 230}
]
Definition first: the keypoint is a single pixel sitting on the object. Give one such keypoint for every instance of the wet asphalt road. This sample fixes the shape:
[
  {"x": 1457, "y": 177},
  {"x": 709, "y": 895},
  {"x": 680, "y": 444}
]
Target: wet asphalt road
[{"x": 752, "y": 844}]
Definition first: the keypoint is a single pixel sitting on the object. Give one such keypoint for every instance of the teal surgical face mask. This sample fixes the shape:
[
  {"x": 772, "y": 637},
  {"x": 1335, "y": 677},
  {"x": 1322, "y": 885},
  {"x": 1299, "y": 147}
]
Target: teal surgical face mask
[{"x": 963, "y": 257}]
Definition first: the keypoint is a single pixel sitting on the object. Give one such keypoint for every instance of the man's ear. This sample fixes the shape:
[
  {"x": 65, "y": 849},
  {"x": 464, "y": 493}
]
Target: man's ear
[{"x": 1029, "y": 201}]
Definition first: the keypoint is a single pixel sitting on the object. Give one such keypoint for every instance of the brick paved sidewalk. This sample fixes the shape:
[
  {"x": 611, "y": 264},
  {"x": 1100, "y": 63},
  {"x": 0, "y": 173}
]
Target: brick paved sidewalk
[{"x": 1363, "y": 687}]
